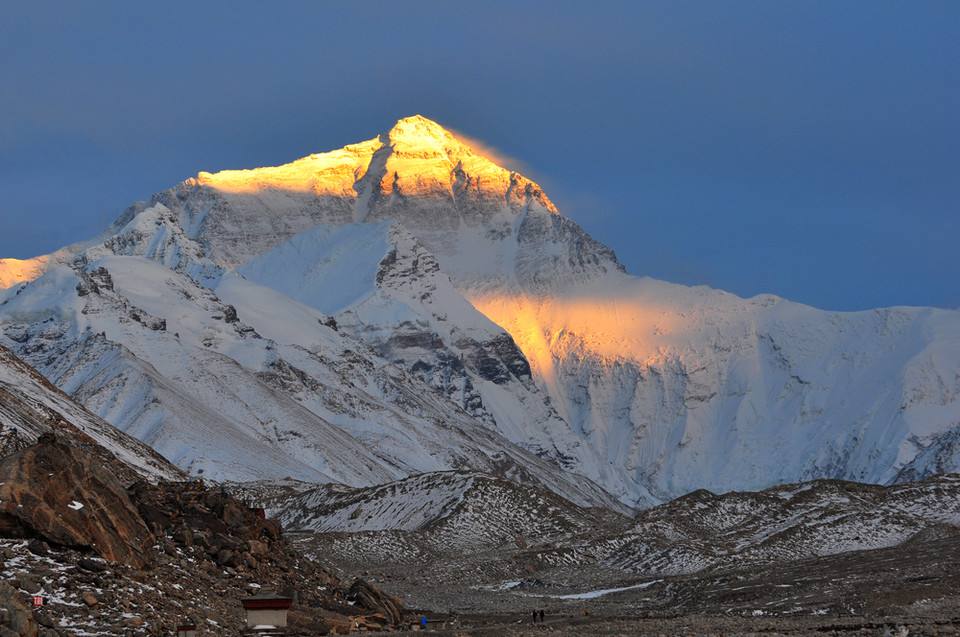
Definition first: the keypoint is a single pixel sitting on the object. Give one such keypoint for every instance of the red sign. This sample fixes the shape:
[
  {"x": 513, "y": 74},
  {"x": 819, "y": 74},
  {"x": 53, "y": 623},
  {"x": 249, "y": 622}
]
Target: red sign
[{"x": 39, "y": 600}]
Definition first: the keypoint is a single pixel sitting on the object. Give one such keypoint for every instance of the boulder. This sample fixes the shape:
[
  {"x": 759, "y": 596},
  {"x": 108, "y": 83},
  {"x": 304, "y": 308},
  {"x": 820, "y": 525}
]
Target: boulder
[
  {"x": 92, "y": 566},
  {"x": 258, "y": 548},
  {"x": 371, "y": 598},
  {"x": 183, "y": 536},
  {"x": 304, "y": 622},
  {"x": 64, "y": 495},
  {"x": 29, "y": 583},
  {"x": 38, "y": 547}
]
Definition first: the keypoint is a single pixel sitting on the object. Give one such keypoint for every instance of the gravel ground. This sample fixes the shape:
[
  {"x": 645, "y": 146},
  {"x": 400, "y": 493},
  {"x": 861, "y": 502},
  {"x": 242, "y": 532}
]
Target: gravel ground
[{"x": 911, "y": 589}]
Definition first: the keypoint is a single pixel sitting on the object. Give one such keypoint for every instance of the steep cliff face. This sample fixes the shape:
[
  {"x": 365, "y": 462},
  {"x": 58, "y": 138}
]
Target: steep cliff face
[{"x": 415, "y": 265}]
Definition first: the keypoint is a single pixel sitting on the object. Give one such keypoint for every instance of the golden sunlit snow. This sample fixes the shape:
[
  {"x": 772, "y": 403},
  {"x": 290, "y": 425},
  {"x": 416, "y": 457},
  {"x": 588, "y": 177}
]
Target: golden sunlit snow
[
  {"x": 14, "y": 271},
  {"x": 416, "y": 158}
]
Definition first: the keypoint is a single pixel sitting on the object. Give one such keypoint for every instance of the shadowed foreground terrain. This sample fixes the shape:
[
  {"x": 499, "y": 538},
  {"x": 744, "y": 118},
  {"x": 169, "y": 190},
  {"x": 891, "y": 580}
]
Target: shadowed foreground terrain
[
  {"x": 826, "y": 557},
  {"x": 911, "y": 589}
]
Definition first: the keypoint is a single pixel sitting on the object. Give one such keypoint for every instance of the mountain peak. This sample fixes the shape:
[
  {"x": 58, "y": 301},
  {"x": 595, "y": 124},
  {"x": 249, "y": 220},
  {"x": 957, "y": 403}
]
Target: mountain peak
[
  {"x": 418, "y": 136},
  {"x": 417, "y": 128},
  {"x": 335, "y": 172},
  {"x": 416, "y": 157}
]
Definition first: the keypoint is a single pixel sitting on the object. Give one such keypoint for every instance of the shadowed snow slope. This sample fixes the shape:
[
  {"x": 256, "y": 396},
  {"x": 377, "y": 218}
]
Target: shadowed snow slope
[
  {"x": 408, "y": 281},
  {"x": 31, "y": 407}
]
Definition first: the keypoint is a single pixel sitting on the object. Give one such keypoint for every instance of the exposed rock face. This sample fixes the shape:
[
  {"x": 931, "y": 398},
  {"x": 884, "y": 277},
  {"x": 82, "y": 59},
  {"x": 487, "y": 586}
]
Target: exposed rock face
[
  {"x": 231, "y": 533},
  {"x": 54, "y": 491},
  {"x": 11, "y": 441},
  {"x": 59, "y": 493},
  {"x": 172, "y": 552}
]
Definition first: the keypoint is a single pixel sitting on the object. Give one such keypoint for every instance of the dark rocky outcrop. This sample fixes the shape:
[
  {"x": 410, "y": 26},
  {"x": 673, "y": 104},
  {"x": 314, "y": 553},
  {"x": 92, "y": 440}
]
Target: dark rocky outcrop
[
  {"x": 231, "y": 533},
  {"x": 11, "y": 441},
  {"x": 168, "y": 552},
  {"x": 56, "y": 492}
]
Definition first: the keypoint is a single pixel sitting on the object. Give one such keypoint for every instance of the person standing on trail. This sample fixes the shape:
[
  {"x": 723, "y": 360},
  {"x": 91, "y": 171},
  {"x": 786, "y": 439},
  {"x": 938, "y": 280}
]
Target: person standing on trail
[
  {"x": 534, "y": 615},
  {"x": 541, "y": 615}
]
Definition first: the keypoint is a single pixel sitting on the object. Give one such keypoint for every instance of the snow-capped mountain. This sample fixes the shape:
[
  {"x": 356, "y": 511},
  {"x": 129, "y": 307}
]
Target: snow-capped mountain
[
  {"x": 405, "y": 305},
  {"x": 385, "y": 289}
]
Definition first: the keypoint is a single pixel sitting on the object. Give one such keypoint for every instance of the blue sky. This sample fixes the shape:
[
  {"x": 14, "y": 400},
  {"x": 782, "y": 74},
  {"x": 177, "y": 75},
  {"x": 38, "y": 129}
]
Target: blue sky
[{"x": 809, "y": 149}]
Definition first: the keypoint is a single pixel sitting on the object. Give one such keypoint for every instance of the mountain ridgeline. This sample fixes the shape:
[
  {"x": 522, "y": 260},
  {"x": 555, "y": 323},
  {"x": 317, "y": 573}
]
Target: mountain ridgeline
[{"x": 405, "y": 305}]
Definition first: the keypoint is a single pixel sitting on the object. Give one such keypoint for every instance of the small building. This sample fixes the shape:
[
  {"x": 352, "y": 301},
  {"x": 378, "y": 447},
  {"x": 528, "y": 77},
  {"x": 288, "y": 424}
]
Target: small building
[
  {"x": 187, "y": 630},
  {"x": 266, "y": 610}
]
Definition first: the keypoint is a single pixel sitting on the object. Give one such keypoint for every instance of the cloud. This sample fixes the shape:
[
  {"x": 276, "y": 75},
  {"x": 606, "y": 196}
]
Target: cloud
[{"x": 489, "y": 152}]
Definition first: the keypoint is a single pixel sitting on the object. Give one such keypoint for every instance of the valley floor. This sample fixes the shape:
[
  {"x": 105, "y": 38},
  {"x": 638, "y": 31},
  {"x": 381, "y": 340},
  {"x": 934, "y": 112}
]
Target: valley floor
[
  {"x": 910, "y": 589},
  {"x": 695, "y": 625}
]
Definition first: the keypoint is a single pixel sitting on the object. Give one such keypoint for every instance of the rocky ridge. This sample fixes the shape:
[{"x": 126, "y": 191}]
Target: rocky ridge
[{"x": 442, "y": 514}]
